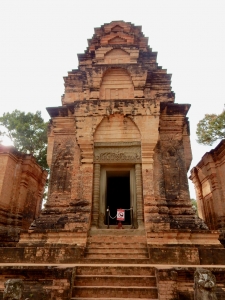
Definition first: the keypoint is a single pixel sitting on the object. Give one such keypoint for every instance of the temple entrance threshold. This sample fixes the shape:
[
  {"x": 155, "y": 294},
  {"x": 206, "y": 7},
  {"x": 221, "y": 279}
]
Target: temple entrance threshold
[
  {"x": 118, "y": 187},
  {"x": 118, "y": 195},
  {"x": 117, "y": 174}
]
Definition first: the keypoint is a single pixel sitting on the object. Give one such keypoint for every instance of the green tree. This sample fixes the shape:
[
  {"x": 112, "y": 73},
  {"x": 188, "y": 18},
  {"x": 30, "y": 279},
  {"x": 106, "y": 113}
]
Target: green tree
[
  {"x": 193, "y": 202},
  {"x": 28, "y": 133},
  {"x": 211, "y": 128}
]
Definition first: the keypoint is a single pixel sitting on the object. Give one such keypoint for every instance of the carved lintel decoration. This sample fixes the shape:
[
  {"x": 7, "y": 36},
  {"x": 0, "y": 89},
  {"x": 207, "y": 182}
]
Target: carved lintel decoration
[
  {"x": 205, "y": 284},
  {"x": 117, "y": 144},
  {"x": 130, "y": 154}
]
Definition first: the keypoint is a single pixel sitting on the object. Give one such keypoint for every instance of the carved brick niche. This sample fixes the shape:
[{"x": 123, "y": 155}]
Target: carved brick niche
[{"x": 116, "y": 84}]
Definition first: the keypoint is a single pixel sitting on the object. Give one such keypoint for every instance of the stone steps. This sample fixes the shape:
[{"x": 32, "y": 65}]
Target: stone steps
[
  {"x": 115, "y": 291},
  {"x": 112, "y": 231},
  {"x": 116, "y": 244},
  {"x": 115, "y": 238},
  {"x": 124, "y": 241},
  {"x": 115, "y": 270},
  {"x": 94, "y": 298},
  {"x": 103, "y": 245},
  {"x": 96, "y": 255},
  {"x": 118, "y": 251},
  {"x": 121, "y": 249},
  {"x": 115, "y": 260},
  {"x": 114, "y": 282}
]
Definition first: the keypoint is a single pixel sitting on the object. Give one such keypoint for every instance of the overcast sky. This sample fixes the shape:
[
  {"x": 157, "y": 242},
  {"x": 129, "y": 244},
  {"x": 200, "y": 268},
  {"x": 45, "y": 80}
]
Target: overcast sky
[{"x": 39, "y": 42}]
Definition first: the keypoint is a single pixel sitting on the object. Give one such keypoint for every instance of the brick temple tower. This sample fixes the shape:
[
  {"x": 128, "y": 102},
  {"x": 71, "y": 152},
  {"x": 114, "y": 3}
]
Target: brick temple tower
[{"x": 118, "y": 141}]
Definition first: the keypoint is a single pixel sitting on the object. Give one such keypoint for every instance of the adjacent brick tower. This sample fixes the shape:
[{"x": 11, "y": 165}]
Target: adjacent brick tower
[{"x": 119, "y": 142}]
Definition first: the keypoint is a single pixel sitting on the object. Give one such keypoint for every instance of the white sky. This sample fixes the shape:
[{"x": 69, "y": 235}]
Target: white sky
[{"x": 39, "y": 42}]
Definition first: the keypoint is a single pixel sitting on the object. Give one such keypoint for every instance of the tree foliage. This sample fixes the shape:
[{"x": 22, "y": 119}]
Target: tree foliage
[
  {"x": 28, "y": 133},
  {"x": 211, "y": 128}
]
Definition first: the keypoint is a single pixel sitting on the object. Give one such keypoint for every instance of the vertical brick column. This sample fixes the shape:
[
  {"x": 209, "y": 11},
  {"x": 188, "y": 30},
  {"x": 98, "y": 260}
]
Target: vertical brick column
[
  {"x": 86, "y": 193},
  {"x": 148, "y": 126},
  {"x": 96, "y": 194},
  {"x": 84, "y": 135},
  {"x": 151, "y": 210},
  {"x": 139, "y": 193}
]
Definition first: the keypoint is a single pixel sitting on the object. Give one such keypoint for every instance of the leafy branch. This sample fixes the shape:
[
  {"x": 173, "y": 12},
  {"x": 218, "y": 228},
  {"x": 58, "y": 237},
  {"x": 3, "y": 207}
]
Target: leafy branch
[{"x": 28, "y": 133}]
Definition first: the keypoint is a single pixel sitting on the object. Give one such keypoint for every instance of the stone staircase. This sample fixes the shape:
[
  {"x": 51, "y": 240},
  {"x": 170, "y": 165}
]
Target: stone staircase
[
  {"x": 114, "y": 282},
  {"x": 119, "y": 244}
]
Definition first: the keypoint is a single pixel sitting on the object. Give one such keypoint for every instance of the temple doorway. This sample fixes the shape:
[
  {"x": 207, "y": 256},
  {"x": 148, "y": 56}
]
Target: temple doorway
[{"x": 118, "y": 195}]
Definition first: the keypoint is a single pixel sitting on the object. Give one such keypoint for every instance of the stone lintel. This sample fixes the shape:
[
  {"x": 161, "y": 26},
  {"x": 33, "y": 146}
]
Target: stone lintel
[
  {"x": 87, "y": 160},
  {"x": 113, "y": 104}
]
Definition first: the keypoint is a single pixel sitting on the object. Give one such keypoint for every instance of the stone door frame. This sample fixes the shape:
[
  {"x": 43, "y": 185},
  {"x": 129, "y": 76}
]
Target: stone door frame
[
  {"x": 99, "y": 192},
  {"x": 117, "y": 157},
  {"x": 103, "y": 190}
]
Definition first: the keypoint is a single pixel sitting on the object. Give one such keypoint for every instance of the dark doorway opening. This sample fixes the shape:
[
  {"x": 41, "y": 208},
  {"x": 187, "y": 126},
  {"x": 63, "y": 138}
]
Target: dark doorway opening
[{"x": 118, "y": 195}]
